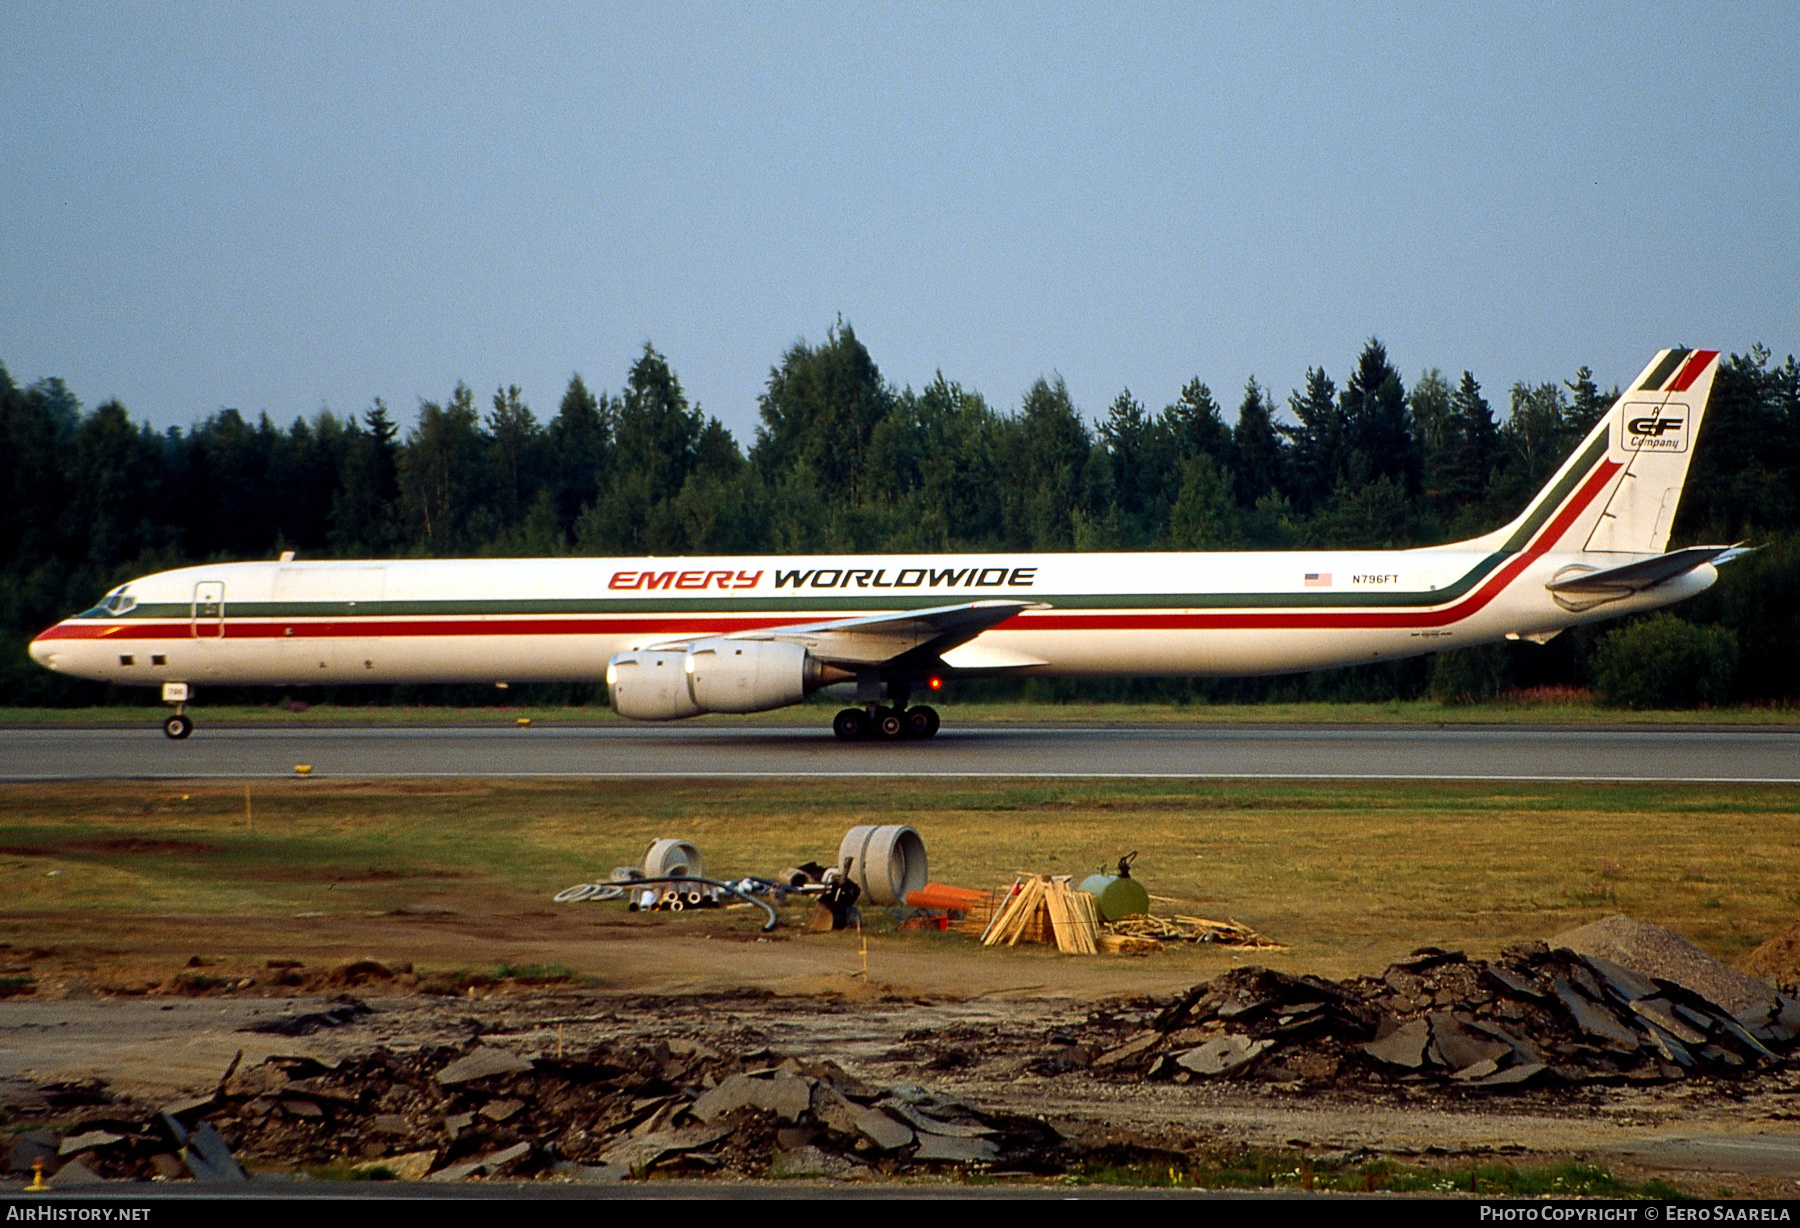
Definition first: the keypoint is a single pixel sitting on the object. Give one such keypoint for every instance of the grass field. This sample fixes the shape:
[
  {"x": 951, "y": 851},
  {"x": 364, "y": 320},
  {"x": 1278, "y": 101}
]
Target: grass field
[
  {"x": 1558, "y": 710},
  {"x": 1350, "y": 876}
]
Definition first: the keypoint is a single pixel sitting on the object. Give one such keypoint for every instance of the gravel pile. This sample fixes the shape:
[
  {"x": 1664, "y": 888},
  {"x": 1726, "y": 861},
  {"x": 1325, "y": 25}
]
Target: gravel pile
[{"x": 1652, "y": 951}]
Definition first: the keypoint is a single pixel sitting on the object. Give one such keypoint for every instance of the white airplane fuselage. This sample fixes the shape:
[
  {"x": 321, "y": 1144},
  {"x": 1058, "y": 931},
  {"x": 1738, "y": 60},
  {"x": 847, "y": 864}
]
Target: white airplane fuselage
[
  {"x": 678, "y": 636},
  {"x": 543, "y": 620}
]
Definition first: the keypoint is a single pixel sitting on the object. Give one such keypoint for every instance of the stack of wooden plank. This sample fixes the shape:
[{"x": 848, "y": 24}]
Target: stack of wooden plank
[
  {"x": 1127, "y": 944},
  {"x": 1043, "y": 902},
  {"x": 1192, "y": 929}
]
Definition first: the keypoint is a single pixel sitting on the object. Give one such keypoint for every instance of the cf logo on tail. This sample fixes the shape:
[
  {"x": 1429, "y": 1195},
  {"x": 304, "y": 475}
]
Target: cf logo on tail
[{"x": 1654, "y": 428}]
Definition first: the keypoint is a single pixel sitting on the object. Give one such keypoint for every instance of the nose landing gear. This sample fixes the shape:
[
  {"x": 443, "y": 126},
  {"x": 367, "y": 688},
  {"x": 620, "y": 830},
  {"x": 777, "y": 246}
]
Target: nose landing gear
[{"x": 180, "y": 724}]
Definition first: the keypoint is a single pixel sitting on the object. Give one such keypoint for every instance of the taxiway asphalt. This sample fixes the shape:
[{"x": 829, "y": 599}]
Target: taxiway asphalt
[{"x": 1696, "y": 754}]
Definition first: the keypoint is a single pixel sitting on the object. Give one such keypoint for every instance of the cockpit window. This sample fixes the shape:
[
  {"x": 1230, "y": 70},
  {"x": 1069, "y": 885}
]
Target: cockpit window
[{"x": 113, "y": 604}]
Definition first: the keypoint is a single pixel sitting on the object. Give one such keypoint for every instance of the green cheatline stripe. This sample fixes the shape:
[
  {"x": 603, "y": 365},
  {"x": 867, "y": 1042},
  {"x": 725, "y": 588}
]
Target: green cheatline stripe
[
  {"x": 1558, "y": 494},
  {"x": 836, "y": 599},
  {"x": 1664, "y": 370}
]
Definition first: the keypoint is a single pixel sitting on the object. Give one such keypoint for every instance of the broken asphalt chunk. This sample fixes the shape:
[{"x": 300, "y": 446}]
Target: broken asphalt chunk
[
  {"x": 1594, "y": 1019},
  {"x": 637, "y": 1153},
  {"x": 1514, "y": 981},
  {"x": 785, "y": 1095},
  {"x": 485, "y": 1062},
  {"x": 342, "y": 1009},
  {"x": 1512, "y": 1076},
  {"x": 1620, "y": 979},
  {"x": 486, "y": 1166},
  {"x": 1401, "y": 1045},
  {"x": 924, "y": 1123},
  {"x": 1659, "y": 1012},
  {"x": 955, "y": 1150},
  {"x": 1222, "y": 1054},
  {"x": 1138, "y": 1045},
  {"x": 879, "y": 1128},
  {"x": 1461, "y": 1048},
  {"x": 75, "y": 1173},
  {"x": 208, "y": 1158}
]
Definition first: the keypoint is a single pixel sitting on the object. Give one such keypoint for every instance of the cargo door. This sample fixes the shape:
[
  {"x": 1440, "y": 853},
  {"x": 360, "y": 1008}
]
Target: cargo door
[{"x": 209, "y": 610}]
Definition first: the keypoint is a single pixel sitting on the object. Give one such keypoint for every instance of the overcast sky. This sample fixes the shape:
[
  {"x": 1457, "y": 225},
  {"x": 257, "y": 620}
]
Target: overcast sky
[{"x": 293, "y": 207}]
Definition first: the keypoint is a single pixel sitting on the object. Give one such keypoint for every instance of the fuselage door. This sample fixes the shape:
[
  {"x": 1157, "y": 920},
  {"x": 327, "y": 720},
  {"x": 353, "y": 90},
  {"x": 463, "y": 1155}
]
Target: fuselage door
[{"x": 209, "y": 610}]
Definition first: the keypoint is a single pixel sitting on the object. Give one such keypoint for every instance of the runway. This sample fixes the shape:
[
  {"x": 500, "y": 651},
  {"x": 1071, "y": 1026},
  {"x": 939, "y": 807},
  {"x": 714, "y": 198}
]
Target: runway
[{"x": 1702, "y": 755}]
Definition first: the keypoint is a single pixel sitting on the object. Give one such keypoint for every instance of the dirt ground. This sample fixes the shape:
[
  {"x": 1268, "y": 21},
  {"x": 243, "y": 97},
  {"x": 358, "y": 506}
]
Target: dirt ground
[{"x": 152, "y": 1006}]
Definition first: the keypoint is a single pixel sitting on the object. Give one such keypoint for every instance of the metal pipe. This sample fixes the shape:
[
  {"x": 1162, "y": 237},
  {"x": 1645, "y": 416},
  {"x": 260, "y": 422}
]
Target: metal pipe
[{"x": 712, "y": 882}]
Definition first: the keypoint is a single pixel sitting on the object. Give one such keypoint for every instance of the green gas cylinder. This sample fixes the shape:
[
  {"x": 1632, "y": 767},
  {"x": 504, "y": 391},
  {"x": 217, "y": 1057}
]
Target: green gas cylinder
[{"x": 1118, "y": 897}]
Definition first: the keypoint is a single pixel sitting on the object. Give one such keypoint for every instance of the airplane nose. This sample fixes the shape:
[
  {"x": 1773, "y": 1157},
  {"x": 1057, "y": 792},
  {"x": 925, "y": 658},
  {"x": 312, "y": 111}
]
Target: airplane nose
[{"x": 44, "y": 653}]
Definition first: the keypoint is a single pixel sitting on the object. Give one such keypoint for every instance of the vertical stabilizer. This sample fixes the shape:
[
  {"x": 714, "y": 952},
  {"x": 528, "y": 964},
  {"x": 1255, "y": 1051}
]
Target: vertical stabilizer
[
  {"x": 1650, "y": 436},
  {"x": 1616, "y": 493}
]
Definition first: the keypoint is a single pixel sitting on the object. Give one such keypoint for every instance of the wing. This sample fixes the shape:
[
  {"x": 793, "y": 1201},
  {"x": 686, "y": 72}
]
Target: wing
[{"x": 918, "y": 636}]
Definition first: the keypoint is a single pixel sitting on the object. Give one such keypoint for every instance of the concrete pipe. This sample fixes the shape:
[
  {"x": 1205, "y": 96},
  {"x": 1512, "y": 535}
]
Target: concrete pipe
[
  {"x": 888, "y": 862},
  {"x": 673, "y": 859}
]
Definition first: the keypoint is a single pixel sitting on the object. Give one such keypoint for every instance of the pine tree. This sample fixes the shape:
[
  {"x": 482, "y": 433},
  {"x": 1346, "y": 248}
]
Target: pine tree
[
  {"x": 580, "y": 445},
  {"x": 1375, "y": 423},
  {"x": 1317, "y": 438},
  {"x": 1126, "y": 444},
  {"x": 1256, "y": 447},
  {"x": 365, "y": 507},
  {"x": 1044, "y": 457},
  {"x": 1472, "y": 444}
]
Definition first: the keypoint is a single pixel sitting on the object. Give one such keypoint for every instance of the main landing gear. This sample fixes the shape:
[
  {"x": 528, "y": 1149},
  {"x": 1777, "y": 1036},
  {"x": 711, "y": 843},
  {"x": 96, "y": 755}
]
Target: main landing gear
[
  {"x": 178, "y": 726},
  {"x": 886, "y": 724}
]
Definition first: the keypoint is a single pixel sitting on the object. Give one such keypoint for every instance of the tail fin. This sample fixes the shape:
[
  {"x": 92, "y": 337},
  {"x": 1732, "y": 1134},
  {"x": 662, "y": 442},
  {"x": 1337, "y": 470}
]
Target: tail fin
[
  {"x": 1651, "y": 433},
  {"x": 1617, "y": 492}
]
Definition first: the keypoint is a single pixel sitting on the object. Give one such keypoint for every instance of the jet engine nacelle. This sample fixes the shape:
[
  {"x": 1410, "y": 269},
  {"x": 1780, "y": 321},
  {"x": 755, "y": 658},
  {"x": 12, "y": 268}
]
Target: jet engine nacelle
[
  {"x": 716, "y": 675},
  {"x": 749, "y": 675},
  {"x": 650, "y": 686}
]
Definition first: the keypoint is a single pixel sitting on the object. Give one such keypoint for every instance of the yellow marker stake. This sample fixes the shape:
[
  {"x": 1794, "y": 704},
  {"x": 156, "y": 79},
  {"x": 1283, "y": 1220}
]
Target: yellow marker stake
[
  {"x": 304, "y": 769},
  {"x": 524, "y": 721},
  {"x": 37, "y": 1177}
]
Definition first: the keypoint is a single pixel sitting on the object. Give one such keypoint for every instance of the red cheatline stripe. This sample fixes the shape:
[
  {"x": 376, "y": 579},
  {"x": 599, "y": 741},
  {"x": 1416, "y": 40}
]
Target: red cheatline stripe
[
  {"x": 1602, "y": 475},
  {"x": 1051, "y": 620},
  {"x": 1691, "y": 369}
]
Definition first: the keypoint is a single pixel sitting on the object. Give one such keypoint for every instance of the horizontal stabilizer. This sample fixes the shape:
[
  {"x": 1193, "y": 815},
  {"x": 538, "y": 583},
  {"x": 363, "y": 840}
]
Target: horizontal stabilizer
[{"x": 1636, "y": 577}]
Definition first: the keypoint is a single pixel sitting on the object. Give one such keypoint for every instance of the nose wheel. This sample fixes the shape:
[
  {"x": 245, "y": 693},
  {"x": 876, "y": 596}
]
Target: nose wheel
[{"x": 178, "y": 726}]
